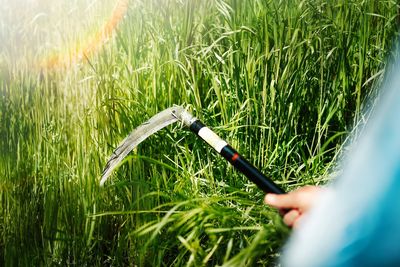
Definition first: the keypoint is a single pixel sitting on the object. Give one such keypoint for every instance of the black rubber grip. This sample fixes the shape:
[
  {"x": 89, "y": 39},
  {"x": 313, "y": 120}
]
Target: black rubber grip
[
  {"x": 241, "y": 164},
  {"x": 251, "y": 172}
]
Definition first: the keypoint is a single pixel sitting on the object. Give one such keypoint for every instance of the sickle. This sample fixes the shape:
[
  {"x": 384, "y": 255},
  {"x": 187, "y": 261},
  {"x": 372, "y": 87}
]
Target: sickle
[{"x": 178, "y": 113}]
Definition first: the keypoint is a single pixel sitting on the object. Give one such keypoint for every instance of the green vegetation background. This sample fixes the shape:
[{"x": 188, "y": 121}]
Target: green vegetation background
[{"x": 283, "y": 81}]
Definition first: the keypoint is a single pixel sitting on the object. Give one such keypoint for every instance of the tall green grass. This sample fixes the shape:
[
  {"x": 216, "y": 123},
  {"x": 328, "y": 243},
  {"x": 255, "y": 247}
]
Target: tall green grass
[{"x": 282, "y": 81}]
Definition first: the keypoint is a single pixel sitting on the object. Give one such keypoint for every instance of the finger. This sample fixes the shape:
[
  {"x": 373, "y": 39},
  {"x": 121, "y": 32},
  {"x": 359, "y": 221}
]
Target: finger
[
  {"x": 284, "y": 201},
  {"x": 291, "y": 217}
]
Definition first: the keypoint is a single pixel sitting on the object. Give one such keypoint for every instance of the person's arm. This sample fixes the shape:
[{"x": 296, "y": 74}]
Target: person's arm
[{"x": 298, "y": 202}]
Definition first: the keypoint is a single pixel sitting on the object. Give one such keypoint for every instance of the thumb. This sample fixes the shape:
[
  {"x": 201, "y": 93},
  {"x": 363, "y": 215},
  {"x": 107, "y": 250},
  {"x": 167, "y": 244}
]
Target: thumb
[{"x": 283, "y": 201}]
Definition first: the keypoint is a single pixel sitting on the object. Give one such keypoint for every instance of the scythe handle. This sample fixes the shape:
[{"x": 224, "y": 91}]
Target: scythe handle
[{"x": 238, "y": 161}]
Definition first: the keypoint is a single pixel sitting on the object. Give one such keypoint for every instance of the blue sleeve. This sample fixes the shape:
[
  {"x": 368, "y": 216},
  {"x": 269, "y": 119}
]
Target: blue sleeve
[{"x": 358, "y": 222}]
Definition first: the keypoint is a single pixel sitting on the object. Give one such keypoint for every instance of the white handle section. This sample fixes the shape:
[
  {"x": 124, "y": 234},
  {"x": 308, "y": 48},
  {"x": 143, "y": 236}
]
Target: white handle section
[{"x": 212, "y": 139}]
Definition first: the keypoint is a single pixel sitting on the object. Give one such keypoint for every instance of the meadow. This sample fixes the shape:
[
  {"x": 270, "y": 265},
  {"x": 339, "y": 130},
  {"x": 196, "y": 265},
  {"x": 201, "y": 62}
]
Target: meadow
[{"x": 284, "y": 82}]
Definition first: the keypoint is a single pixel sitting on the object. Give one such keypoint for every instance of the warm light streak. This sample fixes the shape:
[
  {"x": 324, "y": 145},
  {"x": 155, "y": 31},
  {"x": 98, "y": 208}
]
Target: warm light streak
[{"x": 93, "y": 45}]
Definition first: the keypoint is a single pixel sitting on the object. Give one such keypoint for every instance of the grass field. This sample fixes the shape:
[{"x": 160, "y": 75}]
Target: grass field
[{"x": 283, "y": 81}]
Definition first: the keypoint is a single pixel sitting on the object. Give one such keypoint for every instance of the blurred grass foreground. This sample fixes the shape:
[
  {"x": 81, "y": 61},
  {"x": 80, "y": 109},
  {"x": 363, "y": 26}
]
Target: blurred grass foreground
[{"x": 283, "y": 81}]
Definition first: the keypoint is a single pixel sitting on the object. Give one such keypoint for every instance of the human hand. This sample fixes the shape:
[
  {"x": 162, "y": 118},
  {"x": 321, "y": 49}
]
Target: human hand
[{"x": 297, "y": 202}]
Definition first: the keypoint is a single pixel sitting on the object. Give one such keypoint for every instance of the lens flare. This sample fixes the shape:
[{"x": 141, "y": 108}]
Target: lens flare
[
  {"x": 45, "y": 34},
  {"x": 93, "y": 44}
]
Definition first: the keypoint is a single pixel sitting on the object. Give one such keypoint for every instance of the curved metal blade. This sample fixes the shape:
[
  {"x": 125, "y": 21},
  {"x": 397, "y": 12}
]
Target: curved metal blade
[{"x": 138, "y": 135}]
